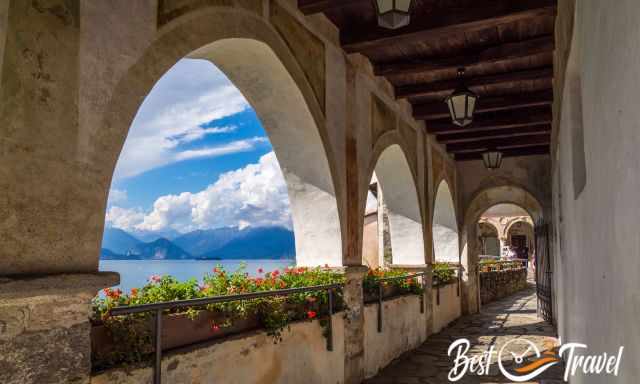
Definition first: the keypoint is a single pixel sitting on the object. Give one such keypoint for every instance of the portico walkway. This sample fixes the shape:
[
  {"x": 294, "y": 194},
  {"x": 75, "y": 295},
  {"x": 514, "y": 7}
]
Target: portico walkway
[{"x": 499, "y": 322}]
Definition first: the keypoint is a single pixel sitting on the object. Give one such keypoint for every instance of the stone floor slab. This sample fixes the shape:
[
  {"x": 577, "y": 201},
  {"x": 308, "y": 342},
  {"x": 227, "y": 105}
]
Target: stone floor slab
[{"x": 499, "y": 322}]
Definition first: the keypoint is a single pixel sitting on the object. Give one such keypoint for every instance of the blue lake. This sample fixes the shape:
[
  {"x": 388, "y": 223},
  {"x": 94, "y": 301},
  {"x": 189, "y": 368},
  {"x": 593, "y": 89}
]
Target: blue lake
[{"x": 135, "y": 273}]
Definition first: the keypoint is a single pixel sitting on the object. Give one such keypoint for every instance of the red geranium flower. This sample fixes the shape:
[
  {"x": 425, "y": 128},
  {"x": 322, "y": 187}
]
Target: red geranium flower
[
  {"x": 134, "y": 291},
  {"x": 260, "y": 270},
  {"x": 311, "y": 314}
]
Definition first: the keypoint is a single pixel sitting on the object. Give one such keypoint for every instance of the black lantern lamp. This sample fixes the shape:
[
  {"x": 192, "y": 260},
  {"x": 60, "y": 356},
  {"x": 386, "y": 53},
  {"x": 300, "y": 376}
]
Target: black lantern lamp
[
  {"x": 393, "y": 14},
  {"x": 492, "y": 159},
  {"x": 461, "y": 103}
]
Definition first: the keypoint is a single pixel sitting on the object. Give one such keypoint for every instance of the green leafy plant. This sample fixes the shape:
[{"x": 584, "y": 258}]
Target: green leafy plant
[
  {"x": 443, "y": 273},
  {"x": 498, "y": 265},
  {"x": 133, "y": 335},
  {"x": 400, "y": 286}
]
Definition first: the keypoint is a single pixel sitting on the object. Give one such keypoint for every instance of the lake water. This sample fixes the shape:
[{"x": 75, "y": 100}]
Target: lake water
[{"x": 135, "y": 273}]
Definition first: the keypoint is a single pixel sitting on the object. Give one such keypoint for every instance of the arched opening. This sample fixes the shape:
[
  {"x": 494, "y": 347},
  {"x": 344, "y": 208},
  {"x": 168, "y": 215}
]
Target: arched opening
[
  {"x": 483, "y": 201},
  {"x": 400, "y": 208},
  {"x": 289, "y": 118},
  {"x": 521, "y": 236},
  {"x": 445, "y": 226},
  {"x": 489, "y": 239},
  {"x": 503, "y": 218}
]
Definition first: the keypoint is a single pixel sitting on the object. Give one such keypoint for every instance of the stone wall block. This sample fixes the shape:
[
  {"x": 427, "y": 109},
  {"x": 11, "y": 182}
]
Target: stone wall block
[{"x": 354, "y": 325}]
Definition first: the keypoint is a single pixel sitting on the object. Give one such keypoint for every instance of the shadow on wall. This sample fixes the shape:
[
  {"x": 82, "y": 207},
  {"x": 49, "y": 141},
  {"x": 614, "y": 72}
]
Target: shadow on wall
[{"x": 446, "y": 243}]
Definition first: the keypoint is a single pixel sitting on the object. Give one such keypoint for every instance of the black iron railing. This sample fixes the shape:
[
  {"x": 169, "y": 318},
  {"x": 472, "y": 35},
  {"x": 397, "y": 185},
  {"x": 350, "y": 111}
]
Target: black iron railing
[
  {"x": 395, "y": 278},
  {"x": 437, "y": 284},
  {"x": 159, "y": 308}
]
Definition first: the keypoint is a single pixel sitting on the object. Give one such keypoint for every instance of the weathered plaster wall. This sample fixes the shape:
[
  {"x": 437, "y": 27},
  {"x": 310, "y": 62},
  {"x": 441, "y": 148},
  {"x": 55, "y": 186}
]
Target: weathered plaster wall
[
  {"x": 597, "y": 245},
  {"x": 370, "y": 256},
  {"x": 449, "y": 308},
  {"x": 531, "y": 173},
  {"x": 445, "y": 226},
  {"x": 301, "y": 357},
  {"x": 403, "y": 329}
]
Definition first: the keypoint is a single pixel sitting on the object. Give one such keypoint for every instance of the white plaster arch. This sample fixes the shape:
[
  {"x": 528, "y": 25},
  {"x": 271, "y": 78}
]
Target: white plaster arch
[
  {"x": 445, "y": 226},
  {"x": 482, "y": 201},
  {"x": 255, "y": 58},
  {"x": 401, "y": 198}
]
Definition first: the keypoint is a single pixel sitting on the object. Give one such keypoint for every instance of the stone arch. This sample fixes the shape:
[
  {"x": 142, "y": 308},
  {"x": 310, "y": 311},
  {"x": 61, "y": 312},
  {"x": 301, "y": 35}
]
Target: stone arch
[
  {"x": 258, "y": 61},
  {"x": 489, "y": 237},
  {"x": 482, "y": 201},
  {"x": 398, "y": 185},
  {"x": 445, "y": 226},
  {"x": 509, "y": 226}
]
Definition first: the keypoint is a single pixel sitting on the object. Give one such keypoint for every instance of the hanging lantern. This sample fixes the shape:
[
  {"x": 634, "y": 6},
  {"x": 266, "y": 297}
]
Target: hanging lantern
[
  {"x": 393, "y": 14},
  {"x": 461, "y": 103},
  {"x": 492, "y": 159}
]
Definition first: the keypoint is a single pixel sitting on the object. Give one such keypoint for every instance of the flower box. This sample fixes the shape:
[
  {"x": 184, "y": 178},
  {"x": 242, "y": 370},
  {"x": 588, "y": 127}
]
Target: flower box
[
  {"x": 388, "y": 291},
  {"x": 178, "y": 330}
]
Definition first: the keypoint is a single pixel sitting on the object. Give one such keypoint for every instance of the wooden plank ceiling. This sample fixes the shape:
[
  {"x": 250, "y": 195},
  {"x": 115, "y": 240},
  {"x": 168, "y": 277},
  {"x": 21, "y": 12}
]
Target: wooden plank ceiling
[{"x": 506, "y": 47}]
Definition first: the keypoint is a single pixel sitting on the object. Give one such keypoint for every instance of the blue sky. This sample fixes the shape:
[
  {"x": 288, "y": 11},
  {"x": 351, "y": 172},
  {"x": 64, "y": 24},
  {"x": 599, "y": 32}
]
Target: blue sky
[{"x": 196, "y": 157}]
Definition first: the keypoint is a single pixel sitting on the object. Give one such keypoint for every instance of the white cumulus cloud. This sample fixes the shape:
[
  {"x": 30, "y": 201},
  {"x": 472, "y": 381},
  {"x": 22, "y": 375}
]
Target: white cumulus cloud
[
  {"x": 177, "y": 111},
  {"x": 124, "y": 218},
  {"x": 255, "y": 195}
]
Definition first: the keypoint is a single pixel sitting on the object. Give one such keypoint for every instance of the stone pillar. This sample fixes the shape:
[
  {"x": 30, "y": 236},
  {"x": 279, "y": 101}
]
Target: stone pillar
[
  {"x": 44, "y": 327},
  {"x": 470, "y": 295},
  {"x": 354, "y": 325}
]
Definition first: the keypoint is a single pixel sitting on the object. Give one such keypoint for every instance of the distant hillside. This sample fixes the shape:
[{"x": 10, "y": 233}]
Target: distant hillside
[
  {"x": 106, "y": 254},
  {"x": 149, "y": 236},
  {"x": 258, "y": 243},
  {"x": 206, "y": 241},
  {"x": 118, "y": 241},
  {"x": 221, "y": 243},
  {"x": 161, "y": 249}
]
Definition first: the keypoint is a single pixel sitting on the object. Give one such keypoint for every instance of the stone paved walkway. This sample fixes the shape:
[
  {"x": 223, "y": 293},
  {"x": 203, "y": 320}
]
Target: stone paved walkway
[{"x": 499, "y": 322}]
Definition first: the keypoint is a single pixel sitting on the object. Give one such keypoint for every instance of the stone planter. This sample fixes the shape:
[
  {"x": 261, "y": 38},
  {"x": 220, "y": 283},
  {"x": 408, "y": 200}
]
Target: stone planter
[
  {"x": 388, "y": 292},
  {"x": 178, "y": 330}
]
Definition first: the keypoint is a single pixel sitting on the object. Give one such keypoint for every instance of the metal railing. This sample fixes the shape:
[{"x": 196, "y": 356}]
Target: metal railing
[
  {"x": 437, "y": 284},
  {"x": 159, "y": 308},
  {"x": 395, "y": 278}
]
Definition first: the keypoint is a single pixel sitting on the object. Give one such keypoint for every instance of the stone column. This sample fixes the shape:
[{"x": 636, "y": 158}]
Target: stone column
[
  {"x": 470, "y": 295},
  {"x": 44, "y": 327},
  {"x": 354, "y": 325}
]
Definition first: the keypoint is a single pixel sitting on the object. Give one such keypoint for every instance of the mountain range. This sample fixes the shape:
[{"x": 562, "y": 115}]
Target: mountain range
[{"x": 212, "y": 244}]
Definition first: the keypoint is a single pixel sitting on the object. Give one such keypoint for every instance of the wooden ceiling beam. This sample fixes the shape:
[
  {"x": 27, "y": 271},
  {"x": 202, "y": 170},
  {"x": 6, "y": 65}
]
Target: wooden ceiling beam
[
  {"x": 427, "y": 89},
  {"x": 494, "y": 54},
  {"x": 504, "y": 143},
  {"x": 444, "y": 22},
  {"x": 453, "y": 138},
  {"x": 433, "y": 111},
  {"x": 514, "y": 152},
  {"x": 493, "y": 123},
  {"x": 309, "y": 7}
]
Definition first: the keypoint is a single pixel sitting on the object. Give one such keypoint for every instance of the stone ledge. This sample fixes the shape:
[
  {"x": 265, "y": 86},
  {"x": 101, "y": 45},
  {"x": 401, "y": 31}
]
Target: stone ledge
[{"x": 28, "y": 287}]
